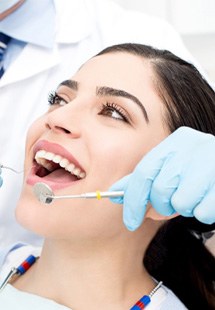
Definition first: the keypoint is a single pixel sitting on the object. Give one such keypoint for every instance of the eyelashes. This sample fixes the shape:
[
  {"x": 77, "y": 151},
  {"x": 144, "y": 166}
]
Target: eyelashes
[
  {"x": 108, "y": 109},
  {"x": 51, "y": 97},
  {"x": 114, "y": 111},
  {"x": 54, "y": 98}
]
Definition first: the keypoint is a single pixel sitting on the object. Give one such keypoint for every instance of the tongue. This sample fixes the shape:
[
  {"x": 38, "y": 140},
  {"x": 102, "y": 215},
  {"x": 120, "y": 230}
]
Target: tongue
[{"x": 60, "y": 176}]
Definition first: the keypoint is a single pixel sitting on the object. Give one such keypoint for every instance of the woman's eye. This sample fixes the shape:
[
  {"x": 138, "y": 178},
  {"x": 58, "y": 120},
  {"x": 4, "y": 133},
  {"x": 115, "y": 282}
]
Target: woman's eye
[
  {"x": 114, "y": 111},
  {"x": 54, "y": 98}
]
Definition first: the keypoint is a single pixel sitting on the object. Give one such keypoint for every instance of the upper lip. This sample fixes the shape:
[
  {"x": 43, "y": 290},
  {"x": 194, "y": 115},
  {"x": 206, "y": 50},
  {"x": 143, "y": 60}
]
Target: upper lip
[{"x": 56, "y": 149}]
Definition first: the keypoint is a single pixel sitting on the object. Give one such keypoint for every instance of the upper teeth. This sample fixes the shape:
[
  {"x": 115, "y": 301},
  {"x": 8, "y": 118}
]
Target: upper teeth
[{"x": 42, "y": 156}]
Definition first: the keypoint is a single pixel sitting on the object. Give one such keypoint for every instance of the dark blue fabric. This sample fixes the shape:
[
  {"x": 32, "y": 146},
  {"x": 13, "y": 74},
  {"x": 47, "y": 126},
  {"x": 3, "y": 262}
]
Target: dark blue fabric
[{"x": 4, "y": 40}]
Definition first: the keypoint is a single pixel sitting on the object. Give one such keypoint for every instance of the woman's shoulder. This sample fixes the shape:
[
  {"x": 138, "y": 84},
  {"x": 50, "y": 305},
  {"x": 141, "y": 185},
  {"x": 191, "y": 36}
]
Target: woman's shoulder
[
  {"x": 165, "y": 299},
  {"x": 13, "y": 255},
  {"x": 171, "y": 301},
  {"x": 12, "y": 298}
]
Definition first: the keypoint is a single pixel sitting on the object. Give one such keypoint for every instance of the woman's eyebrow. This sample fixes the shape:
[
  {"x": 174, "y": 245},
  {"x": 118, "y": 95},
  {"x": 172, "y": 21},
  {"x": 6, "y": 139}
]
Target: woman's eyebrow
[
  {"x": 70, "y": 83},
  {"x": 109, "y": 91}
]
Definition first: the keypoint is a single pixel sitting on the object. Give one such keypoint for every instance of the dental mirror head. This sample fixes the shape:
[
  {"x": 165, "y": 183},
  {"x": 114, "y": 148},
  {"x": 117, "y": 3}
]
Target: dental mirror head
[{"x": 43, "y": 193}]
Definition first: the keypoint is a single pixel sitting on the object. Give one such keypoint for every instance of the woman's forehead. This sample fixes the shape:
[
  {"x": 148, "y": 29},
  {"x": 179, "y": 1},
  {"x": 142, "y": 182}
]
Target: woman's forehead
[
  {"x": 119, "y": 68},
  {"x": 117, "y": 59}
]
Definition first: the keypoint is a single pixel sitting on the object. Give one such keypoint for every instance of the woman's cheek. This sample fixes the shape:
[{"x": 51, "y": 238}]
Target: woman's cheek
[{"x": 35, "y": 132}]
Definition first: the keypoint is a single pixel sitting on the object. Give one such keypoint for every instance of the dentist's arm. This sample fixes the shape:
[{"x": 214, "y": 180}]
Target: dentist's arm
[{"x": 178, "y": 175}]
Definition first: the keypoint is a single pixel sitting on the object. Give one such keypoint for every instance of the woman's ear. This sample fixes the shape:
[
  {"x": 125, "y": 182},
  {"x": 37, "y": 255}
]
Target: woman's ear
[{"x": 154, "y": 215}]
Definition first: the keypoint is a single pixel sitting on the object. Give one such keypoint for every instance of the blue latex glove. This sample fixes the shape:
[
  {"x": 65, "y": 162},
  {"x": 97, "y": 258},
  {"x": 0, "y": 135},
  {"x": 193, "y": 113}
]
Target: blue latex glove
[
  {"x": 1, "y": 180},
  {"x": 178, "y": 175}
]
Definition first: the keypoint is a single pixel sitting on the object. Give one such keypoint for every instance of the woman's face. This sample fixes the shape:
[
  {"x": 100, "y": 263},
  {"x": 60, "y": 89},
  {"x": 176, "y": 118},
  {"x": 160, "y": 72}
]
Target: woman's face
[{"x": 102, "y": 122}]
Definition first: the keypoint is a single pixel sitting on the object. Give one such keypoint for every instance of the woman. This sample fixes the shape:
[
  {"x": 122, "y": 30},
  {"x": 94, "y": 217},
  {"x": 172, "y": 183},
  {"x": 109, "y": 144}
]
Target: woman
[{"x": 116, "y": 108}]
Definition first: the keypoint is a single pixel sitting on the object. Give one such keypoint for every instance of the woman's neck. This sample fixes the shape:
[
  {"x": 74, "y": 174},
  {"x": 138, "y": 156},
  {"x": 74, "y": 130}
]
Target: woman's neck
[{"x": 83, "y": 275}]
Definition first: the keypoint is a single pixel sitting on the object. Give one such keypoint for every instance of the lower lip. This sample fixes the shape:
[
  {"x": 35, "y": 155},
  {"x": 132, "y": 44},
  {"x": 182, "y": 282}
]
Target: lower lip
[{"x": 32, "y": 179}]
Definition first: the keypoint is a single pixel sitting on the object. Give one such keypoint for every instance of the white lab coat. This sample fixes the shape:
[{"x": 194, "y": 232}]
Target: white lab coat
[{"x": 83, "y": 28}]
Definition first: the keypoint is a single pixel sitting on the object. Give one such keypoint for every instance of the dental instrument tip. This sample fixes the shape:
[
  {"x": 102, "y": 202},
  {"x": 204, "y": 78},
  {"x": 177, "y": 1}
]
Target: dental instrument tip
[{"x": 9, "y": 168}]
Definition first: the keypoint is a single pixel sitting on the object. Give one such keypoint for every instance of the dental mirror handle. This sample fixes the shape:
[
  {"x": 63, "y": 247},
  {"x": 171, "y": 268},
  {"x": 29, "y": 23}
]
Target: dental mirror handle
[
  {"x": 45, "y": 194},
  {"x": 97, "y": 195}
]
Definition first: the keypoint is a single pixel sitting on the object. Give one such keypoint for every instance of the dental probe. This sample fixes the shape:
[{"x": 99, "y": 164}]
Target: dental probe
[
  {"x": 45, "y": 194},
  {"x": 9, "y": 168}
]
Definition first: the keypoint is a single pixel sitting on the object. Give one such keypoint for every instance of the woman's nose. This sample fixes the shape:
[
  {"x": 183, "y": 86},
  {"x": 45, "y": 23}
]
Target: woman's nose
[{"x": 64, "y": 121}]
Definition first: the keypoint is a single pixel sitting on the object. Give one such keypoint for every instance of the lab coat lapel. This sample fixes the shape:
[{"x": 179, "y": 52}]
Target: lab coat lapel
[
  {"x": 72, "y": 26},
  {"x": 24, "y": 65}
]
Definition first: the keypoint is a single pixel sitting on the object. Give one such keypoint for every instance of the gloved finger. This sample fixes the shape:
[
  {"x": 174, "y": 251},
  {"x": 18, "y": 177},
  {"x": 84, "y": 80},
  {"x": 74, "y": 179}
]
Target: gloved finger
[
  {"x": 184, "y": 138},
  {"x": 205, "y": 210},
  {"x": 120, "y": 185},
  {"x": 190, "y": 194},
  {"x": 163, "y": 187},
  {"x": 135, "y": 200},
  {"x": 138, "y": 190}
]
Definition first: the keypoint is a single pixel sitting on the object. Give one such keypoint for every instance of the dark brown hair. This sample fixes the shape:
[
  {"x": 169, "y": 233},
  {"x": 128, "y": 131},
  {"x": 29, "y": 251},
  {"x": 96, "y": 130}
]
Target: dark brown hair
[{"x": 177, "y": 255}]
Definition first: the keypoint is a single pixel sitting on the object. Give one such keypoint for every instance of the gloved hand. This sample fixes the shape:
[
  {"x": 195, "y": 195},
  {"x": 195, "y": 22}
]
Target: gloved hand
[
  {"x": 1, "y": 180},
  {"x": 178, "y": 175}
]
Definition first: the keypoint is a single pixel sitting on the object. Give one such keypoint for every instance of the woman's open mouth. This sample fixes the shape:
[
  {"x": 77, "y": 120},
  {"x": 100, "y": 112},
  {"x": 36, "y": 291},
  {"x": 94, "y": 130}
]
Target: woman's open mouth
[
  {"x": 54, "y": 170},
  {"x": 53, "y": 165}
]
